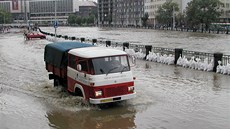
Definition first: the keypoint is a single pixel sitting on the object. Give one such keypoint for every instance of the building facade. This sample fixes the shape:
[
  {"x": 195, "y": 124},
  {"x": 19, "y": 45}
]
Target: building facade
[
  {"x": 128, "y": 12},
  {"x": 105, "y": 12},
  {"x": 151, "y": 7},
  {"x": 5, "y": 6},
  {"x": 225, "y": 11},
  {"x": 17, "y": 8},
  {"x": 120, "y": 12},
  {"x": 44, "y": 11},
  {"x": 86, "y": 9}
]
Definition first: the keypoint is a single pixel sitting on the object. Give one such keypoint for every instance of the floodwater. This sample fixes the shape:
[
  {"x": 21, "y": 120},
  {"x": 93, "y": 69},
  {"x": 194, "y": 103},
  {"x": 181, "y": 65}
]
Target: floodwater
[
  {"x": 168, "y": 97},
  {"x": 201, "y": 42}
]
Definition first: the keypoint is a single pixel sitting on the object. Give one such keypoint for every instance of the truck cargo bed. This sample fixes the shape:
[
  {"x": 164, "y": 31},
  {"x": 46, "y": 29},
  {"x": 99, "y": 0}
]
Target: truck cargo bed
[{"x": 56, "y": 53}]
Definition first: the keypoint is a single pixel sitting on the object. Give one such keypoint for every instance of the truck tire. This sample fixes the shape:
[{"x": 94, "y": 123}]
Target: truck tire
[
  {"x": 78, "y": 92},
  {"x": 56, "y": 82}
]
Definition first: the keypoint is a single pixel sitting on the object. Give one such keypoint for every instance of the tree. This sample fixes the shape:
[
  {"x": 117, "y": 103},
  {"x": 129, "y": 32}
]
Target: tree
[
  {"x": 202, "y": 12},
  {"x": 79, "y": 20},
  {"x": 180, "y": 19},
  {"x": 165, "y": 13},
  {"x": 91, "y": 19},
  {"x": 5, "y": 17},
  {"x": 72, "y": 19},
  {"x": 145, "y": 19}
]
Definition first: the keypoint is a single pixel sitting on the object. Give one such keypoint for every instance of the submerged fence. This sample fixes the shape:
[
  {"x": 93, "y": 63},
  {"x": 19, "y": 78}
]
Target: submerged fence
[{"x": 177, "y": 53}]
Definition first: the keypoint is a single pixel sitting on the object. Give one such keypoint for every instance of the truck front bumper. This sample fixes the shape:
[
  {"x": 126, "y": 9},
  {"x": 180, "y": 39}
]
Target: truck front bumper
[{"x": 112, "y": 99}]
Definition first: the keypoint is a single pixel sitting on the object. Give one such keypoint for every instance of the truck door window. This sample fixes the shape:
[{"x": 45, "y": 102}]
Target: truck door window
[{"x": 84, "y": 64}]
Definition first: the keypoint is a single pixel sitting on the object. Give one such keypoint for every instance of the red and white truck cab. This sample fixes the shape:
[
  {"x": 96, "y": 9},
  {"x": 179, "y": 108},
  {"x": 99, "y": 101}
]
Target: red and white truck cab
[{"x": 100, "y": 75}]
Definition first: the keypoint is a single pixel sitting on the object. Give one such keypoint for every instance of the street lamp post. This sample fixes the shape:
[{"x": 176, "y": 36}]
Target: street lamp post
[
  {"x": 105, "y": 19},
  {"x": 115, "y": 17},
  {"x": 4, "y": 18},
  {"x": 26, "y": 18},
  {"x": 173, "y": 25},
  {"x": 55, "y": 18},
  {"x": 202, "y": 24}
]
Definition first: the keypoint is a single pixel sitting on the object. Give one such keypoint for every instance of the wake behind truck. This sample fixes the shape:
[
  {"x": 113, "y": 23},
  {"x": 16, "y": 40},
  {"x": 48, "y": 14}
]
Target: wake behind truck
[{"x": 100, "y": 75}]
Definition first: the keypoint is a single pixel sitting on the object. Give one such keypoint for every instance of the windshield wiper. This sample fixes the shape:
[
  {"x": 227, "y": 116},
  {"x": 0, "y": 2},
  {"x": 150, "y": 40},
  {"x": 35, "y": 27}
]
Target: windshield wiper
[
  {"x": 111, "y": 70},
  {"x": 125, "y": 67},
  {"x": 102, "y": 71}
]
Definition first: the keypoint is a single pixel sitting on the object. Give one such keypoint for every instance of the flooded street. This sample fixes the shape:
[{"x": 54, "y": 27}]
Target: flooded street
[
  {"x": 201, "y": 42},
  {"x": 168, "y": 97}
]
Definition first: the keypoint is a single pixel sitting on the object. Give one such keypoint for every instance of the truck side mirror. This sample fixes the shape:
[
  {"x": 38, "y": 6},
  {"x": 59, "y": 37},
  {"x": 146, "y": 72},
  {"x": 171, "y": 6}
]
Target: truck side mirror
[
  {"x": 79, "y": 67},
  {"x": 132, "y": 59}
]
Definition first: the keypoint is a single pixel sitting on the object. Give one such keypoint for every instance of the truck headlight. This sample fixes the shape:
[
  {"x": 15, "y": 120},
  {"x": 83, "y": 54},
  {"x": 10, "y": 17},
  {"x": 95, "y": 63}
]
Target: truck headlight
[
  {"x": 131, "y": 89},
  {"x": 98, "y": 93}
]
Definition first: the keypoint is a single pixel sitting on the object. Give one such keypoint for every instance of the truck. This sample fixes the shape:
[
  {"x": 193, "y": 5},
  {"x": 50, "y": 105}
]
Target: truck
[{"x": 98, "y": 74}]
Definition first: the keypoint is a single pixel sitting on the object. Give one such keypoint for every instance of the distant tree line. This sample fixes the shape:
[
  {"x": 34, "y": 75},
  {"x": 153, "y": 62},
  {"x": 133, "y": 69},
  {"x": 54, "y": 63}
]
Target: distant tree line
[
  {"x": 5, "y": 17},
  {"x": 199, "y": 14},
  {"x": 78, "y": 20},
  {"x": 144, "y": 19}
]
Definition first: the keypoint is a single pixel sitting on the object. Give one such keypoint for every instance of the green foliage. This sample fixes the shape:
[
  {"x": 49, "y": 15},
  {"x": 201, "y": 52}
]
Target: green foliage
[
  {"x": 91, "y": 19},
  {"x": 77, "y": 20},
  {"x": 202, "y": 12},
  {"x": 5, "y": 17},
  {"x": 145, "y": 19},
  {"x": 165, "y": 12},
  {"x": 180, "y": 19},
  {"x": 72, "y": 19}
]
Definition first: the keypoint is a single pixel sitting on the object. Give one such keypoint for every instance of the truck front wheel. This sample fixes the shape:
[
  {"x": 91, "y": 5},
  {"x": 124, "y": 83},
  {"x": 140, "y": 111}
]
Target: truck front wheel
[
  {"x": 78, "y": 92},
  {"x": 56, "y": 82}
]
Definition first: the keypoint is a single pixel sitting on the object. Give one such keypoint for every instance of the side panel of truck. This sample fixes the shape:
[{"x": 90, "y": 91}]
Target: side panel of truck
[
  {"x": 60, "y": 72},
  {"x": 56, "y": 59}
]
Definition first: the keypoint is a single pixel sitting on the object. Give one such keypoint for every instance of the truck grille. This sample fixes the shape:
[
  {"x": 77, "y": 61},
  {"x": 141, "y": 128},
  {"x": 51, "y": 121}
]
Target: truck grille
[{"x": 115, "y": 91}]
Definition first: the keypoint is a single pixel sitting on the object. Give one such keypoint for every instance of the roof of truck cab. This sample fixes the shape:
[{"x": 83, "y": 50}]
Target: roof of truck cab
[{"x": 94, "y": 52}]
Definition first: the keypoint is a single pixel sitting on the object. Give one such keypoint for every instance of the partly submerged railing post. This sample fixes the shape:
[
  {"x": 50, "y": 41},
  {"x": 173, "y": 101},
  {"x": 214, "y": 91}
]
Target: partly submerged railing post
[
  {"x": 66, "y": 37},
  {"x": 94, "y": 41},
  {"x": 82, "y": 39},
  {"x": 108, "y": 43},
  {"x": 217, "y": 57},
  {"x": 178, "y": 53},
  {"x": 72, "y": 38},
  {"x": 125, "y": 45},
  {"x": 148, "y": 49}
]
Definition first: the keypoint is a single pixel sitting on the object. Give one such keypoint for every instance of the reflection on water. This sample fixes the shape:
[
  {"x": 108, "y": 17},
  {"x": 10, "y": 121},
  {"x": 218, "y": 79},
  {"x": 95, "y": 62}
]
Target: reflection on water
[
  {"x": 220, "y": 82},
  {"x": 182, "y": 97},
  {"x": 116, "y": 117},
  {"x": 216, "y": 83}
]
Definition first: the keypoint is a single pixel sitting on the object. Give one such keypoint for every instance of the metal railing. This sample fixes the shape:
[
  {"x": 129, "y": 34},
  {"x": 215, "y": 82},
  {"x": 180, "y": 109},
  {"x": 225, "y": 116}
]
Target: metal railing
[
  {"x": 225, "y": 59},
  {"x": 201, "y": 55}
]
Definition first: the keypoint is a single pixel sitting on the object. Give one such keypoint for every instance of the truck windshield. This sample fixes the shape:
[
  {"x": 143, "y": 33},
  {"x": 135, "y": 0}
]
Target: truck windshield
[{"x": 113, "y": 64}]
